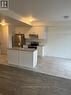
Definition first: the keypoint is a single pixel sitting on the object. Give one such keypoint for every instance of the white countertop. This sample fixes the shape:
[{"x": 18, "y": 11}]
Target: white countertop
[{"x": 22, "y": 49}]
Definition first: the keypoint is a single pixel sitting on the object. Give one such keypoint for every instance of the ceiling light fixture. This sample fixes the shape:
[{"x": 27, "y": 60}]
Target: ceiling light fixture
[
  {"x": 3, "y": 22},
  {"x": 31, "y": 19},
  {"x": 66, "y": 17}
]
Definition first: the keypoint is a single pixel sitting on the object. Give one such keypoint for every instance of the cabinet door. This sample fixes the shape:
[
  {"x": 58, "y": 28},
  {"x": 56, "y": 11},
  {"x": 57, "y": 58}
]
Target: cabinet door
[
  {"x": 13, "y": 57},
  {"x": 40, "y": 50},
  {"x": 26, "y": 59}
]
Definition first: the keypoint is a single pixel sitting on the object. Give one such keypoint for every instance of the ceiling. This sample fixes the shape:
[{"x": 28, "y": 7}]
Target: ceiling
[{"x": 46, "y": 11}]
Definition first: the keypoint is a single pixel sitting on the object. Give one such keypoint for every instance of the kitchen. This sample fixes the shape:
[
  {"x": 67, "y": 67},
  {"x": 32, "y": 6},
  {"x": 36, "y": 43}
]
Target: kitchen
[
  {"x": 35, "y": 35},
  {"x": 19, "y": 38},
  {"x": 30, "y": 47}
]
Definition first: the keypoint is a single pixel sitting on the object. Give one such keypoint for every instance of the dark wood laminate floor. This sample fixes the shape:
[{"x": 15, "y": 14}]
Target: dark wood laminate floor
[{"x": 15, "y": 81}]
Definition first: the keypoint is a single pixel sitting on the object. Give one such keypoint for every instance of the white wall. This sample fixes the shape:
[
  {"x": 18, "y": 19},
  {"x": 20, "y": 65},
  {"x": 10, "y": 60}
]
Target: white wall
[
  {"x": 59, "y": 42},
  {"x": 11, "y": 31},
  {"x": 0, "y": 38},
  {"x": 6, "y": 33},
  {"x": 22, "y": 30},
  {"x": 4, "y": 39},
  {"x": 0, "y": 33},
  {"x": 40, "y": 30}
]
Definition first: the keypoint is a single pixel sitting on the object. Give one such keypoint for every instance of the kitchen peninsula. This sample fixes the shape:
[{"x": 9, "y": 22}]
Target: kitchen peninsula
[{"x": 22, "y": 57}]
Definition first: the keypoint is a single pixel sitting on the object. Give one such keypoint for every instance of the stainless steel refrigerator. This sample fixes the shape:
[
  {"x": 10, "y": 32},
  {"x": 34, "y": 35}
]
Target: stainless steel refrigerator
[{"x": 18, "y": 40}]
